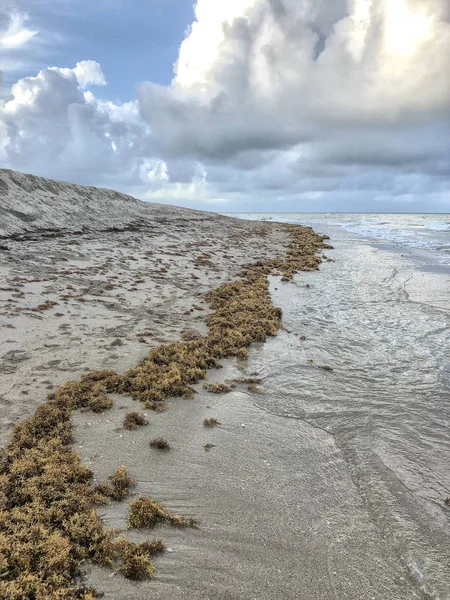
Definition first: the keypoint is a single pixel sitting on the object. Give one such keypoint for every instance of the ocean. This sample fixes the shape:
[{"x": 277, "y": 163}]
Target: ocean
[
  {"x": 429, "y": 232},
  {"x": 379, "y": 317}
]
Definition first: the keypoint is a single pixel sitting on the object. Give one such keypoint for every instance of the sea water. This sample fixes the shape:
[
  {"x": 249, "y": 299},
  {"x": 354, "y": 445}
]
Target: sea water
[
  {"x": 380, "y": 318},
  {"x": 425, "y": 231}
]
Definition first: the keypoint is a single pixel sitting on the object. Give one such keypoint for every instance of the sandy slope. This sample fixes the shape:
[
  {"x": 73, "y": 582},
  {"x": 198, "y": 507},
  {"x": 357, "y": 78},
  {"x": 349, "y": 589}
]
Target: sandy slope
[
  {"x": 72, "y": 302},
  {"x": 30, "y": 204}
]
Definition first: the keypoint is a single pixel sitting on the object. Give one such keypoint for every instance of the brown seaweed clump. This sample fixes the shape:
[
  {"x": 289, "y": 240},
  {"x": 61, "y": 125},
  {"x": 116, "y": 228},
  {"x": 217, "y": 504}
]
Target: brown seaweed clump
[
  {"x": 160, "y": 444},
  {"x": 218, "y": 388},
  {"x": 169, "y": 370},
  {"x": 254, "y": 389},
  {"x": 248, "y": 380},
  {"x": 133, "y": 420},
  {"x": 90, "y": 393},
  {"x": 212, "y": 422},
  {"x": 136, "y": 564},
  {"x": 145, "y": 512},
  {"x": 118, "y": 487},
  {"x": 48, "y": 523}
]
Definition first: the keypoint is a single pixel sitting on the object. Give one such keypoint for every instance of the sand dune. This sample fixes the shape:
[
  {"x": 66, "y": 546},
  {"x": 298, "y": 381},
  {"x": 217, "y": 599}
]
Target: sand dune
[{"x": 35, "y": 204}]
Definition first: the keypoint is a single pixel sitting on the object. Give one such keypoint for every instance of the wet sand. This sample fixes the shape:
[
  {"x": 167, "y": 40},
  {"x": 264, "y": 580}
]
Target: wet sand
[{"x": 279, "y": 515}]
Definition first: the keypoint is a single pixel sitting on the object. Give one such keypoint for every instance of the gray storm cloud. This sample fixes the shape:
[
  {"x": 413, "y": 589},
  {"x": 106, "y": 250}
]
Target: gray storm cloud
[{"x": 271, "y": 73}]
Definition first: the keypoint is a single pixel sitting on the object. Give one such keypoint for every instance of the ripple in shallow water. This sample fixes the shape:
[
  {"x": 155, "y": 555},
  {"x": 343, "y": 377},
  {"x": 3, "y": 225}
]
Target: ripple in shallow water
[{"x": 384, "y": 327}]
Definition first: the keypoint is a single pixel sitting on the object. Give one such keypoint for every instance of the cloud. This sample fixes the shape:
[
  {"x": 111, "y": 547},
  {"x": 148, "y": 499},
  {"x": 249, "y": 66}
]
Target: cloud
[
  {"x": 15, "y": 39},
  {"x": 264, "y": 74},
  {"x": 23, "y": 43},
  {"x": 89, "y": 72},
  {"x": 52, "y": 127},
  {"x": 13, "y": 32},
  {"x": 274, "y": 105},
  {"x": 336, "y": 93}
]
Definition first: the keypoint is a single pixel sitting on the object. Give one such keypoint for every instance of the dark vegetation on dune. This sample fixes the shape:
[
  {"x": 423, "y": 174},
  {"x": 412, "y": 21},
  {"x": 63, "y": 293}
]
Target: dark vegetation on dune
[{"x": 48, "y": 519}]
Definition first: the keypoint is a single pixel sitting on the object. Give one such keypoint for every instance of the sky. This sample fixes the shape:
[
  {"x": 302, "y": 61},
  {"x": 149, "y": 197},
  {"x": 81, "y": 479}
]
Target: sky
[{"x": 236, "y": 105}]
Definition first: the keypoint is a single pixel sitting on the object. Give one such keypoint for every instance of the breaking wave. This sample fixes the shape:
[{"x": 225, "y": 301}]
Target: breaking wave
[{"x": 439, "y": 226}]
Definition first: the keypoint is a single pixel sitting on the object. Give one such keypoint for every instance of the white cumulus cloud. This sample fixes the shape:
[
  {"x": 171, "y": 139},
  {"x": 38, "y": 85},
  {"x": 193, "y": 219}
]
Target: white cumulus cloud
[
  {"x": 89, "y": 72},
  {"x": 52, "y": 127}
]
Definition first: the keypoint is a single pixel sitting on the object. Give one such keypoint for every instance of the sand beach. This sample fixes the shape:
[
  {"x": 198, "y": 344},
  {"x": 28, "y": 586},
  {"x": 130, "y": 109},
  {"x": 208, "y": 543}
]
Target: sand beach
[{"x": 278, "y": 512}]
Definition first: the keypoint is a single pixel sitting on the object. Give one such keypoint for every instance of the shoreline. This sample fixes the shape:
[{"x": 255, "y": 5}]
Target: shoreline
[
  {"x": 282, "y": 514},
  {"x": 274, "y": 474},
  {"x": 382, "y": 323},
  {"x": 246, "y": 303},
  {"x": 266, "y": 500}
]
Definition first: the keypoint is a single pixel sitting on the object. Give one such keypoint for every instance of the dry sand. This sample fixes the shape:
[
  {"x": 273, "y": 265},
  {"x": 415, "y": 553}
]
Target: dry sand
[
  {"x": 272, "y": 525},
  {"x": 92, "y": 279},
  {"x": 101, "y": 300},
  {"x": 30, "y": 204}
]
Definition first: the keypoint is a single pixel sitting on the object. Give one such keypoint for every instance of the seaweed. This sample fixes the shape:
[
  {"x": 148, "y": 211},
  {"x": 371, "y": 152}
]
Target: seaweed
[
  {"x": 135, "y": 558},
  {"x": 248, "y": 380},
  {"x": 48, "y": 521},
  {"x": 160, "y": 444},
  {"x": 212, "y": 422},
  {"x": 133, "y": 420},
  {"x": 218, "y": 388},
  {"x": 145, "y": 512},
  {"x": 254, "y": 389},
  {"x": 118, "y": 487}
]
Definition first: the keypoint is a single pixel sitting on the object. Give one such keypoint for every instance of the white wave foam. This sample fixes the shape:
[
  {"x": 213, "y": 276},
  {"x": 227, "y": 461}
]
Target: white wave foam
[
  {"x": 406, "y": 237},
  {"x": 439, "y": 226},
  {"x": 372, "y": 222}
]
